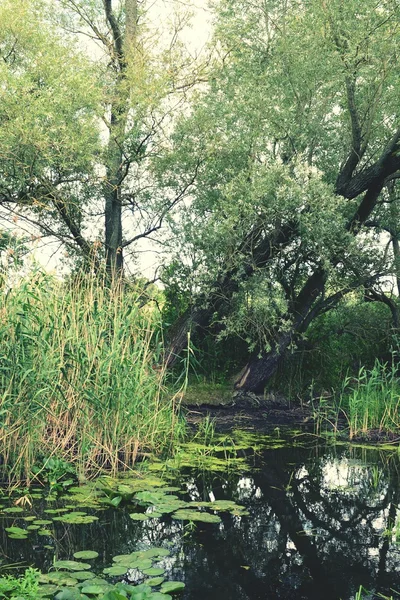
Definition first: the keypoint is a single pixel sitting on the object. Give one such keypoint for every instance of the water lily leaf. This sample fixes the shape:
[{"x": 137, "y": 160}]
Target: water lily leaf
[
  {"x": 70, "y": 594},
  {"x": 117, "y": 570},
  {"x": 113, "y": 595},
  {"x": 95, "y": 581},
  {"x": 154, "y": 571},
  {"x": 17, "y": 536},
  {"x": 45, "y": 532},
  {"x": 141, "y": 563},
  {"x": 84, "y": 575},
  {"x": 48, "y": 589},
  {"x": 30, "y": 518},
  {"x": 139, "y": 516},
  {"x": 58, "y": 577},
  {"x": 142, "y": 588},
  {"x": 159, "y": 596},
  {"x": 172, "y": 586},
  {"x": 193, "y": 515},
  {"x": 170, "y": 507},
  {"x": 86, "y": 554},
  {"x": 71, "y": 565},
  {"x": 42, "y": 522},
  {"x": 154, "y": 581},
  {"x": 93, "y": 589},
  {"x": 16, "y": 530},
  {"x": 33, "y": 527},
  {"x": 13, "y": 509},
  {"x": 76, "y": 519},
  {"x": 120, "y": 558}
]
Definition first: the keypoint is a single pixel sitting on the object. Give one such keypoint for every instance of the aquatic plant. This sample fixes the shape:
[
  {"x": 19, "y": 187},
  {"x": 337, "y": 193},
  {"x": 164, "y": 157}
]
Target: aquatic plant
[
  {"x": 369, "y": 402},
  {"x": 78, "y": 378}
]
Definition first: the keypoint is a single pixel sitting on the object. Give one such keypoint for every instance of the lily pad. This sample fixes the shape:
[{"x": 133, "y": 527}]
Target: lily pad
[
  {"x": 117, "y": 570},
  {"x": 33, "y": 527},
  {"x": 16, "y": 531},
  {"x": 76, "y": 518},
  {"x": 58, "y": 577},
  {"x": 140, "y": 563},
  {"x": 71, "y": 565},
  {"x": 84, "y": 575},
  {"x": 121, "y": 558},
  {"x": 13, "y": 509},
  {"x": 154, "y": 571},
  {"x": 154, "y": 581},
  {"x": 86, "y": 554},
  {"x": 42, "y": 522},
  {"x": 48, "y": 589},
  {"x": 193, "y": 515},
  {"x": 71, "y": 594},
  {"x": 93, "y": 589},
  {"x": 172, "y": 586},
  {"x": 45, "y": 532},
  {"x": 139, "y": 516}
]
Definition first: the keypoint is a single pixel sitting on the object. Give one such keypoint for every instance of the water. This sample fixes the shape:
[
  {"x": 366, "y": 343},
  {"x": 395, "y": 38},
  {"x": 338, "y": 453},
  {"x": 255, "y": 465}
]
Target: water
[{"x": 322, "y": 522}]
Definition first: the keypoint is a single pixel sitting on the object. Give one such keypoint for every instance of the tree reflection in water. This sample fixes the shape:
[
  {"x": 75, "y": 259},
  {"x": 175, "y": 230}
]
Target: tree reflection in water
[{"x": 315, "y": 531}]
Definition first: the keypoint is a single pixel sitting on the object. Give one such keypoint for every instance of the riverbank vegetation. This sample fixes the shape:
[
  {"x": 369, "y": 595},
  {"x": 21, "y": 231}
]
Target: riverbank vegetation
[{"x": 80, "y": 377}]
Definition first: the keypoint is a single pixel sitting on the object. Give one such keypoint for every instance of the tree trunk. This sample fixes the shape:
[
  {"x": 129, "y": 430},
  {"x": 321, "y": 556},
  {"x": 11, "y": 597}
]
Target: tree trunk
[
  {"x": 258, "y": 251},
  {"x": 263, "y": 365}
]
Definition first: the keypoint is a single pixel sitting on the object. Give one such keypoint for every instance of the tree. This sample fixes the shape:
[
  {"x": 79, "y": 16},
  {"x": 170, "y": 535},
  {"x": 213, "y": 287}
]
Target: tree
[
  {"x": 297, "y": 156},
  {"x": 78, "y": 128}
]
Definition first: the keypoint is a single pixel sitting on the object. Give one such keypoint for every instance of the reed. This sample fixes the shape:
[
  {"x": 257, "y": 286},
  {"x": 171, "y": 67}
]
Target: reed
[
  {"x": 79, "y": 377},
  {"x": 369, "y": 402}
]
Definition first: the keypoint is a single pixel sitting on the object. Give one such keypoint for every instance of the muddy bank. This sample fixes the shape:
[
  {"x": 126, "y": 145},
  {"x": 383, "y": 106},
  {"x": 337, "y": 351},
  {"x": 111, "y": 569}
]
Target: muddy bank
[{"x": 254, "y": 412}]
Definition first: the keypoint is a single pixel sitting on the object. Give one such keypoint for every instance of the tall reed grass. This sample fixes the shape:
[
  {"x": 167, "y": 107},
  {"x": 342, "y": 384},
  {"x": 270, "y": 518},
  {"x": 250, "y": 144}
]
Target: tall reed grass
[
  {"x": 79, "y": 377},
  {"x": 368, "y": 402}
]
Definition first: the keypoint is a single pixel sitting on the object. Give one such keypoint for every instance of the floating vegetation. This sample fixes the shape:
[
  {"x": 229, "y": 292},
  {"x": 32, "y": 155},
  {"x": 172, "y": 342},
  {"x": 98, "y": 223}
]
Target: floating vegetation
[
  {"x": 193, "y": 515},
  {"x": 86, "y": 554},
  {"x": 71, "y": 565}
]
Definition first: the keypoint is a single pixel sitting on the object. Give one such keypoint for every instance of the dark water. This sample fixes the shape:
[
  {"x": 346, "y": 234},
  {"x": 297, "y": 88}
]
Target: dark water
[{"x": 316, "y": 529}]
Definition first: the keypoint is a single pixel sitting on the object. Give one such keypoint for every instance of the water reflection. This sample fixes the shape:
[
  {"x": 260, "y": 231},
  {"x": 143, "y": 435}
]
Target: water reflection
[{"x": 316, "y": 530}]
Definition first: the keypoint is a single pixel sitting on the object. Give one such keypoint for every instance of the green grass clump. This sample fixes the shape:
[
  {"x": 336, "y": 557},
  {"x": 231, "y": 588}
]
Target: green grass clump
[
  {"x": 79, "y": 377},
  {"x": 370, "y": 402}
]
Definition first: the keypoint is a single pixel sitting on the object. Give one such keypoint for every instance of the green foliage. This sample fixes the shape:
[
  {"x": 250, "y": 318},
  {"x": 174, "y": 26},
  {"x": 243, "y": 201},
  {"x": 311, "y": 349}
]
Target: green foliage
[
  {"x": 77, "y": 383},
  {"x": 337, "y": 343},
  {"x": 24, "y": 588},
  {"x": 270, "y": 134}
]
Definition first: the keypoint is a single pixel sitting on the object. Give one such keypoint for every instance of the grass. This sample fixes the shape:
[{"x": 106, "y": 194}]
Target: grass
[
  {"x": 79, "y": 377},
  {"x": 370, "y": 402}
]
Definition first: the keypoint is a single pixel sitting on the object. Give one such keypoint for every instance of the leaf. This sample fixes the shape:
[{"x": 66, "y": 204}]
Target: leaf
[
  {"x": 113, "y": 595},
  {"x": 92, "y": 589},
  {"x": 115, "y": 570},
  {"x": 16, "y": 530},
  {"x": 154, "y": 581},
  {"x": 139, "y": 516},
  {"x": 172, "y": 586},
  {"x": 71, "y": 565},
  {"x": 87, "y": 554},
  {"x": 192, "y": 515},
  {"x": 154, "y": 571}
]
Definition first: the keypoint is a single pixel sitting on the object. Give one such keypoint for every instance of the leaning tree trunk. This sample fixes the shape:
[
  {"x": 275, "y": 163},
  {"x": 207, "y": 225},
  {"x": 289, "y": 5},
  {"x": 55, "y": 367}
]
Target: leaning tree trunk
[
  {"x": 262, "y": 366},
  {"x": 258, "y": 250}
]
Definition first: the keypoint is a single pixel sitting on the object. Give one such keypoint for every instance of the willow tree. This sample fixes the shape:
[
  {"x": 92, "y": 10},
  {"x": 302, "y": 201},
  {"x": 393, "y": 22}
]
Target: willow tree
[
  {"x": 300, "y": 137},
  {"x": 87, "y": 92}
]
